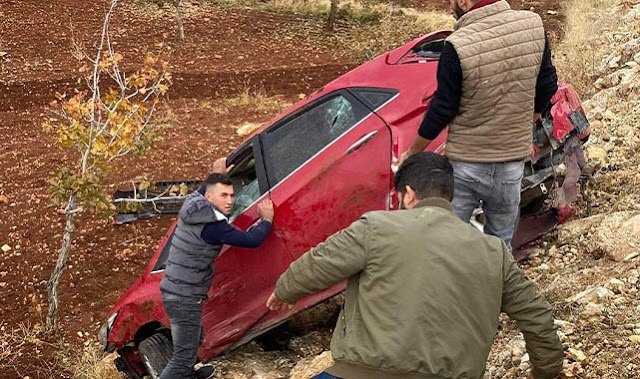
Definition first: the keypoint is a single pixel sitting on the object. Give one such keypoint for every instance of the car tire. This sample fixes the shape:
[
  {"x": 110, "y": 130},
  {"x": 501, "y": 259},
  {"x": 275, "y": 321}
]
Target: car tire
[{"x": 155, "y": 353}]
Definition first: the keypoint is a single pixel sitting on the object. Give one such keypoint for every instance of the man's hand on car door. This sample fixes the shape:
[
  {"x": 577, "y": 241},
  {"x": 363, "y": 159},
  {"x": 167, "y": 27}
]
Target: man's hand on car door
[{"x": 275, "y": 304}]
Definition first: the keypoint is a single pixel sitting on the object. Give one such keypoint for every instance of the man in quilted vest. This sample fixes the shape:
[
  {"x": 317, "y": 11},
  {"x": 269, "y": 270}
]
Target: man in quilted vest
[
  {"x": 495, "y": 76},
  {"x": 203, "y": 227}
]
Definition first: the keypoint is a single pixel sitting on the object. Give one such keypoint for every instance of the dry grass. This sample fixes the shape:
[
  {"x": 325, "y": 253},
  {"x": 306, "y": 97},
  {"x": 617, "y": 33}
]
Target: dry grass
[
  {"x": 396, "y": 27},
  {"x": 579, "y": 56},
  {"x": 256, "y": 99},
  {"x": 91, "y": 363},
  {"x": 27, "y": 343},
  {"x": 300, "y": 6}
]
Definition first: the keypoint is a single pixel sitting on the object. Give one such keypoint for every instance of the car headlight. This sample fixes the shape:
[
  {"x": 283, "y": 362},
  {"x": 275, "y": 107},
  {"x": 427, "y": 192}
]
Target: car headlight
[{"x": 103, "y": 334}]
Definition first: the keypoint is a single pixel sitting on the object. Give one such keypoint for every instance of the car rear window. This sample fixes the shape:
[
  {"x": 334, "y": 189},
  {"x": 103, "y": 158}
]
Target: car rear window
[
  {"x": 374, "y": 97},
  {"x": 293, "y": 143}
]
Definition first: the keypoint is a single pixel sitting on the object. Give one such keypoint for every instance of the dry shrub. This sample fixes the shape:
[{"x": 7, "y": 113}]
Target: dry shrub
[{"x": 579, "y": 56}]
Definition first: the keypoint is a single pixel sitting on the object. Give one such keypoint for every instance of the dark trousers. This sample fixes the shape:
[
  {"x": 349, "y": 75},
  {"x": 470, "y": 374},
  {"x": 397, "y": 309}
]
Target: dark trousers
[
  {"x": 185, "y": 315},
  {"x": 324, "y": 375}
]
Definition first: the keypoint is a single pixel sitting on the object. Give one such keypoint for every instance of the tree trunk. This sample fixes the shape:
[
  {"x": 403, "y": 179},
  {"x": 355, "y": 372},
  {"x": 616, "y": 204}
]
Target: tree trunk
[
  {"x": 333, "y": 12},
  {"x": 179, "y": 18},
  {"x": 52, "y": 286}
]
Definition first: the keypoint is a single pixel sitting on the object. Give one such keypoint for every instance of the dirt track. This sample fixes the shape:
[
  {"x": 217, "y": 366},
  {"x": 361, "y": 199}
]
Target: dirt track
[{"x": 226, "y": 51}]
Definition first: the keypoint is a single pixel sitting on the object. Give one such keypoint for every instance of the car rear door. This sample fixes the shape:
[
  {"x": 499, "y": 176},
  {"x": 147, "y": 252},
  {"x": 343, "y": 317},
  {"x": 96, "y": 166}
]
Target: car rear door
[{"x": 327, "y": 165}]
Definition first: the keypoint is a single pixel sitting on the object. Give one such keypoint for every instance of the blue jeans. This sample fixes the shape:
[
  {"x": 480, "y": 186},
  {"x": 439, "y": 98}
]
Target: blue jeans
[
  {"x": 185, "y": 315},
  {"x": 497, "y": 186},
  {"x": 324, "y": 375}
]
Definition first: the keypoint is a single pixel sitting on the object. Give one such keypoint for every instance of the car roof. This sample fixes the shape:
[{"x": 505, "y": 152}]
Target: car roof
[{"x": 412, "y": 80}]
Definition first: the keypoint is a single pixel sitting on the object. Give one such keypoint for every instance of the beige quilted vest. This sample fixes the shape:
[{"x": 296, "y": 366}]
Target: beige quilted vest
[{"x": 500, "y": 53}]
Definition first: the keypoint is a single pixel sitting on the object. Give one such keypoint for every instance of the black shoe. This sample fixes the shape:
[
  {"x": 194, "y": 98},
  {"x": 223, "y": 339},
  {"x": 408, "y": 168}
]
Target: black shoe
[{"x": 205, "y": 372}]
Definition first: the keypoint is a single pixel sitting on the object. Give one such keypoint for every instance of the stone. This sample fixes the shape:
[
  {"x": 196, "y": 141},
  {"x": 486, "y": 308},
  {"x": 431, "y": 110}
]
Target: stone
[
  {"x": 603, "y": 292},
  {"x": 593, "y": 309},
  {"x": 635, "y": 339},
  {"x": 5, "y": 248},
  {"x": 617, "y": 235},
  {"x": 4, "y": 200},
  {"x": 577, "y": 355},
  {"x": 616, "y": 285},
  {"x": 565, "y": 327},
  {"x": 307, "y": 368}
]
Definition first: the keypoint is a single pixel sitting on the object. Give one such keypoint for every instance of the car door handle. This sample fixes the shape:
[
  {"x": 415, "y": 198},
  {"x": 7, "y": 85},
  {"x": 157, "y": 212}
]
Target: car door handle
[{"x": 356, "y": 145}]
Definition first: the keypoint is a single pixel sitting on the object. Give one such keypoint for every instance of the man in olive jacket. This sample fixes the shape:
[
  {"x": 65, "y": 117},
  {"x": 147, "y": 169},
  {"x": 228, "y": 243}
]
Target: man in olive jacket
[{"x": 424, "y": 288}]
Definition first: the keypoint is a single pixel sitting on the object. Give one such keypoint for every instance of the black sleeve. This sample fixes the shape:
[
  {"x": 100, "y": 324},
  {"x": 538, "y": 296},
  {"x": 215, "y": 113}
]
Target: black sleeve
[
  {"x": 223, "y": 232},
  {"x": 446, "y": 101},
  {"x": 547, "y": 82}
]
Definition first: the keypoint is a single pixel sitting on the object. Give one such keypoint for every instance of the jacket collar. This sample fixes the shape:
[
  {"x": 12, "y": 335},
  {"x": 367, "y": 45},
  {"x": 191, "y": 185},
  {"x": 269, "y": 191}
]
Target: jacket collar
[
  {"x": 479, "y": 13},
  {"x": 434, "y": 202},
  {"x": 482, "y": 3}
]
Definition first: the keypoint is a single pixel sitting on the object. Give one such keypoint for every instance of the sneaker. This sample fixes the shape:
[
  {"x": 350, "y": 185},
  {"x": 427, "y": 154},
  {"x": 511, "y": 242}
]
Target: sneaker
[{"x": 205, "y": 372}]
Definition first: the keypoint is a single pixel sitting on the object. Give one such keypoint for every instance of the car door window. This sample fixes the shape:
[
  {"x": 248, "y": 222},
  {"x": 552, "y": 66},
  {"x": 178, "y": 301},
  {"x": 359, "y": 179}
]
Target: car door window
[
  {"x": 245, "y": 178},
  {"x": 294, "y": 142}
]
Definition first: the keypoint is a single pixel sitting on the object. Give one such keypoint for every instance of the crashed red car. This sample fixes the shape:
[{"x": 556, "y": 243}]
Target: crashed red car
[{"x": 324, "y": 162}]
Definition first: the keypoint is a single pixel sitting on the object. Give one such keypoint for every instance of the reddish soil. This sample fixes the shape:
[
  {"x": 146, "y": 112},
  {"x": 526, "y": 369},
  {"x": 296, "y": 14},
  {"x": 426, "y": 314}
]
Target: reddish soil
[{"x": 226, "y": 51}]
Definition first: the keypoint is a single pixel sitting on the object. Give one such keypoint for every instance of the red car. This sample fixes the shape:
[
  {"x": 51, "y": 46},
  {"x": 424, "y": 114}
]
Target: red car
[{"x": 324, "y": 162}]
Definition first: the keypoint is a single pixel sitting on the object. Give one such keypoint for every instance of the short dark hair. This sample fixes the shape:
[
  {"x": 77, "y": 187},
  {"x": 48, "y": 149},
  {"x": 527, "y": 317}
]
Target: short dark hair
[
  {"x": 428, "y": 174},
  {"x": 217, "y": 178}
]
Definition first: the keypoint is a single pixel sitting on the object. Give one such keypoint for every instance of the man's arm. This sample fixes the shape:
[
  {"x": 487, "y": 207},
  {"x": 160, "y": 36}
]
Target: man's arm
[
  {"x": 222, "y": 232},
  {"x": 342, "y": 255},
  {"x": 547, "y": 81},
  {"x": 446, "y": 100},
  {"x": 533, "y": 314}
]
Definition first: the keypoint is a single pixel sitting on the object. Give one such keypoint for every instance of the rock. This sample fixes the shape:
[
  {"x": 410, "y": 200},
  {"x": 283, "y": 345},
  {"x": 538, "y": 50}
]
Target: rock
[
  {"x": 308, "y": 368},
  {"x": 587, "y": 296},
  {"x": 517, "y": 348},
  {"x": 603, "y": 292},
  {"x": 592, "y": 309},
  {"x": 577, "y": 355},
  {"x": 614, "y": 61},
  {"x": 616, "y": 285},
  {"x": 566, "y": 327},
  {"x": 617, "y": 235},
  {"x": 631, "y": 256},
  {"x": 635, "y": 339},
  {"x": 5, "y": 248},
  {"x": 545, "y": 267},
  {"x": 4, "y": 200}
]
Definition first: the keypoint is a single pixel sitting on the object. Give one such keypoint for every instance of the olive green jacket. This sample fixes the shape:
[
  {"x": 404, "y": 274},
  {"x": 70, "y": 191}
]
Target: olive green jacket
[{"x": 423, "y": 296}]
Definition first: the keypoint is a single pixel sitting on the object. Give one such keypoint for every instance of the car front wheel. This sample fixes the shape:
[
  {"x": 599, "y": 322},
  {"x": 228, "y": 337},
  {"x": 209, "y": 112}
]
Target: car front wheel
[{"x": 155, "y": 353}]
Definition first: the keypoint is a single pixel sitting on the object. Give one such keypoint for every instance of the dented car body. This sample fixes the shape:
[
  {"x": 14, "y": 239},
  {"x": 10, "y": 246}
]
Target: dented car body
[{"x": 324, "y": 162}]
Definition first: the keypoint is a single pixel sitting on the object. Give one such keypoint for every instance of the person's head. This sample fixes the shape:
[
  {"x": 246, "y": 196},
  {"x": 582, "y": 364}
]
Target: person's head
[
  {"x": 460, "y": 7},
  {"x": 423, "y": 175},
  {"x": 219, "y": 192}
]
